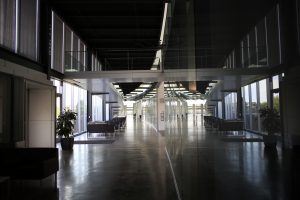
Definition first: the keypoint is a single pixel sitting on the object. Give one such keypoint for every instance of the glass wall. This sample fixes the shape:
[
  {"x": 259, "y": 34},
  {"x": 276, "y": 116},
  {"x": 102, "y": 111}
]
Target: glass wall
[
  {"x": 231, "y": 106},
  {"x": 275, "y": 92},
  {"x": 275, "y": 82},
  {"x": 95, "y": 65},
  {"x": 29, "y": 26},
  {"x": 68, "y": 51},
  {"x": 75, "y": 98},
  {"x": 8, "y": 26},
  {"x": 261, "y": 46},
  {"x": 276, "y": 101},
  {"x": 254, "y": 106},
  {"x": 149, "y": 107},
  {"x": 82, "y": 110},
  {"x": 263, "y": 94},
  {"x": 107, "y": 112},
  {"x": 259, "y": 95},
  {"x": 255, "y": 96},
  {"x": 19, "y": 27},
  {"x": 97, "y": 108},
  {"x": 57, "y": 44}
]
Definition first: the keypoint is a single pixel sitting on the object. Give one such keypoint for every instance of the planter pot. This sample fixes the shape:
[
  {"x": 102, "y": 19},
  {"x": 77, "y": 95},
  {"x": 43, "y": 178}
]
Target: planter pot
[
  {"x": 270, "y": 141},
  {"x": 67, "y": 143}
]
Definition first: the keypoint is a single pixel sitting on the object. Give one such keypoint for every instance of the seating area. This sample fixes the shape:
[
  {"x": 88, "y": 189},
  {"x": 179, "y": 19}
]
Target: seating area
[
  {"x": 100, "y": 127},
  {"x": 106, "y": 127},
  {"x": 118, "y": 122},
  {"x": 224, "y": 125}
]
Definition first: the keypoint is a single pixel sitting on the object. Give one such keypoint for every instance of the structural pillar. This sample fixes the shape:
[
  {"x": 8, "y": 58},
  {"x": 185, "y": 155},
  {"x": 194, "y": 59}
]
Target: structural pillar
[
  {"x": 239, "y": 104},
  {"x": 290, "y": 98},
  {"x": 223, "y": 106},
  {"x": 160, "y": 108}
]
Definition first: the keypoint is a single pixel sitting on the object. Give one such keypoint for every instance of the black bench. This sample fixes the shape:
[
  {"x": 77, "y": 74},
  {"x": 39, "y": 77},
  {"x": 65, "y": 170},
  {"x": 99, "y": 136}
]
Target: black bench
[
  {"x": 28, "y": 163},
  {"x": 224, "y": 125},
  {"x": 100, "y": 127},
  {"x": 231, "y": 125}
]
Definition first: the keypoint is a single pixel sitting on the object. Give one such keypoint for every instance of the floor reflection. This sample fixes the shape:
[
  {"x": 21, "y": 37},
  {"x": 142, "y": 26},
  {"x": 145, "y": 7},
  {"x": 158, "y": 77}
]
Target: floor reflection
[
  {"x": 208, "y": 168},
  {"x": 136, "y": 167},
  {"x": 133, "y": 167}
]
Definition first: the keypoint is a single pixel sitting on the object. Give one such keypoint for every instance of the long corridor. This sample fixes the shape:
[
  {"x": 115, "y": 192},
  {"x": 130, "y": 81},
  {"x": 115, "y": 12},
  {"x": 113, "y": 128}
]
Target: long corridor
[
  {"x": 133, "y": 167},
  {"x": 204, "y": 165}
]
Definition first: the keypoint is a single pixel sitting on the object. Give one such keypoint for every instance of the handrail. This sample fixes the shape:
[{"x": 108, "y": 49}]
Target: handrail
[{"x": 79, "y": 61}]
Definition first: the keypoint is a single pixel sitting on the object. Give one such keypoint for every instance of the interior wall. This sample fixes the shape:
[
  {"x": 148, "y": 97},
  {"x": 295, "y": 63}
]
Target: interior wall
[
  {"x": 18, "y": 110},
  {"x": 160, "y": 108},
  {"x": 41, "y": 117},
  {"x": 5, "y": 109},
  {"x": 16, "y": 106}
]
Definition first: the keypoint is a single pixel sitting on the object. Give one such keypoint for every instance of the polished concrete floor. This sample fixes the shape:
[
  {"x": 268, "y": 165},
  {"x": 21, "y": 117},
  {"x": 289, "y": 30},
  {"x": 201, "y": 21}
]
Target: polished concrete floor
[
  {"x": 189, "y": 161},
  {"x": 135, "y": 166},
  {"x": 207, "y": 167}
]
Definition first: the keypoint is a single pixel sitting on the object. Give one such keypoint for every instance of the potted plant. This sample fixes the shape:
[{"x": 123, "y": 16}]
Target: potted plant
[
  {"x": 64, "y": 128},
  {"x": 271, "y": 124}
]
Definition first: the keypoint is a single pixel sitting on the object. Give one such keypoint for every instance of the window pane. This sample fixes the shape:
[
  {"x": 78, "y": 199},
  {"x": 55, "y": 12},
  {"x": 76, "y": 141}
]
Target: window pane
[
  {"x": 107, "y": 112},
  {"x": 263, "y": 100},
  {"x": 245, "y": 49},
  {"x": 253, "y": 95},
  {"x": 75, "y": 98},
  {"x": 238, "y": 58},
  {"x": 75, "y": 50},
  {"x": 242, "y": 55},
  {"x": 273, "y": 38},
  {"x": 8, "y": 23},
  {"x": 247, "y": 100},
  {"x": 254, "y": 111},
  {"x": 247, "y": 107},
  {"x": 97, "y": 108},
  {"x": 276, "y": 101},
  {"x": 252, "y": 48},
  {"x": 261, "y": 43},
  {"x": 82, "y": 49},
  {"x": 275, "y": 81},
  {"x": 82, "y": 110},
  {"x": 68, "y": 48},
  {"x": 28, "y": 29},
  {"x": 68, "y": 95},
  {"x": 57, "y": 43}
]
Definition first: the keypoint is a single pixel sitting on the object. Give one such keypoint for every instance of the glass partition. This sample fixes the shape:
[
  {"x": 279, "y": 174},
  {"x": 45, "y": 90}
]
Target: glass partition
[
  {"x": 75, "y": 98},
  {"x": 97, "y": 108},
  {"x": 254, "y": 107}
]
